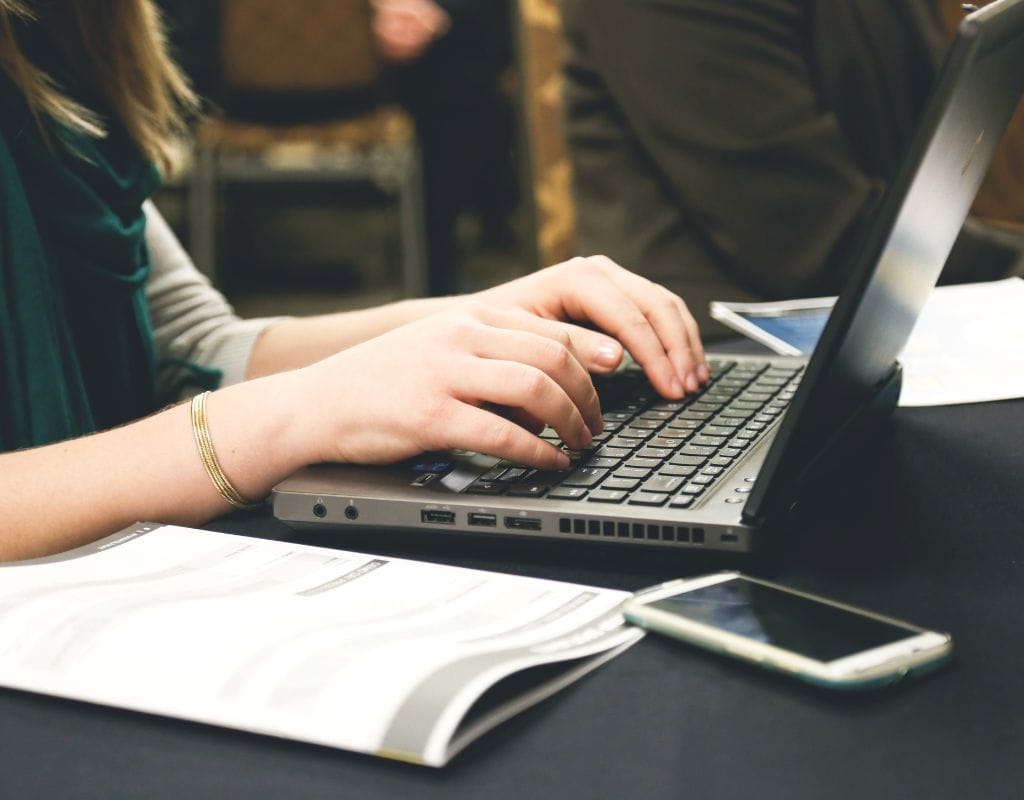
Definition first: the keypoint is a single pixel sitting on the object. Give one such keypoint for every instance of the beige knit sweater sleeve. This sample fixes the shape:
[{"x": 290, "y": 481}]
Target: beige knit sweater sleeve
[{"x": 193, "y": 324}]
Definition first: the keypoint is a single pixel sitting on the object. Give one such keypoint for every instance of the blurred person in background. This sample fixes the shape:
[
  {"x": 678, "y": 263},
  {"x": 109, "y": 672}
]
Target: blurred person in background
[
  {"x": 448, "y": 59},
  {"x": 732, "y": 151}
]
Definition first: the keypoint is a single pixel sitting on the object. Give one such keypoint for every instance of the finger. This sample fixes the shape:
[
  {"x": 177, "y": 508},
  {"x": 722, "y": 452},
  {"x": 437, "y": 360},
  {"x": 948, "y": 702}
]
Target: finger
[
  {"x": 547, "y": 345},
  {"x": 695, "y": 341},
  {"x": 671, "y": 319},
  {"x": 518, "y": 416},
  {"x": 603, "y": 302},
  {"x": 482, "y": 431},
  {"x": 597, "y": 352},
  {"x": 526, "y": 387},
  {"x": 677, "y": 332}
]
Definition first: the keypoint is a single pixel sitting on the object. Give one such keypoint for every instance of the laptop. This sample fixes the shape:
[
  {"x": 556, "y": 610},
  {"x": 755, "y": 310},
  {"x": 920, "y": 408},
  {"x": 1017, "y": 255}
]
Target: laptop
[{"x": 720, "y": 469}]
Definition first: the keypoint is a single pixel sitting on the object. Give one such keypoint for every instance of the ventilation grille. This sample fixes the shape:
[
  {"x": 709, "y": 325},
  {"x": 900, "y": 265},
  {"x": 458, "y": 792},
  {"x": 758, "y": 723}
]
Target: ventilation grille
[{"x": 631, "y": 530}]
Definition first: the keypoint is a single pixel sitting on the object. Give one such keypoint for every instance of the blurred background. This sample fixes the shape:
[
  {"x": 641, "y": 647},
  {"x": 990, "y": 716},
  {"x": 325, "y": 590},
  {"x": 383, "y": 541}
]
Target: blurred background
[{"x": 354, "y": 152}]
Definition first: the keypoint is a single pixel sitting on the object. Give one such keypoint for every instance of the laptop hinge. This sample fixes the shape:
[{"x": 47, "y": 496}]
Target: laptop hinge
[{"x": 846, "y": 442}]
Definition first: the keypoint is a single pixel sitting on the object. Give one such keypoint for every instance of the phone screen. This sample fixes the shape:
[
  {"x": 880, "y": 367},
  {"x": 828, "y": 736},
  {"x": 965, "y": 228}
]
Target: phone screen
[{"x": 788, "y": 621}]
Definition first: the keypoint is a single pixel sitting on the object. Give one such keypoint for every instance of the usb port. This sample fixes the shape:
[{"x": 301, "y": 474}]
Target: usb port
[
  {"x": 522, "y": 523},
  {"x": 438, "y": 517},
  {"x": 487, "y": 520}
]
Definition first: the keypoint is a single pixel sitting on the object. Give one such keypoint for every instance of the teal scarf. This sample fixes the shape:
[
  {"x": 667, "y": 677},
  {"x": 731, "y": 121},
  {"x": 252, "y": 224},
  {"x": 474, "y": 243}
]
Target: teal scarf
[{"x": 76, "y": 342}]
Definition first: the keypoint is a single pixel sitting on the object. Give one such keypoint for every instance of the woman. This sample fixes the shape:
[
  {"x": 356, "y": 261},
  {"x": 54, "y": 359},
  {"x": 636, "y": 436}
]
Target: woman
[{"x": 103, "y": 321}]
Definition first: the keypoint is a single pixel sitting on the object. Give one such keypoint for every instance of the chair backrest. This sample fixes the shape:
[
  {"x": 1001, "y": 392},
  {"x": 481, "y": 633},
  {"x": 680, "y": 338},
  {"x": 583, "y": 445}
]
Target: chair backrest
[
  {"x": 287, "y": 46},
  {"x": 540, "y": 49}
]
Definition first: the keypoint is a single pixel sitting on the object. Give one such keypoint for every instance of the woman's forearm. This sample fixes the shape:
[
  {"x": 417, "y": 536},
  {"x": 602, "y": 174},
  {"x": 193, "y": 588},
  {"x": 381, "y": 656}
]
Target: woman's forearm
[
  {"x": 301, "y": 341},
  {"x": 67, "y": 494}
]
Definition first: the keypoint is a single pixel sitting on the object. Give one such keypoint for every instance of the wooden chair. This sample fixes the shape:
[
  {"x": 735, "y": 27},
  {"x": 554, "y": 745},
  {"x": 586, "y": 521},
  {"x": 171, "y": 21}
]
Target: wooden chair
[
  {"x": 540, "y": 56},
  {"x": 317, "y": 57}
]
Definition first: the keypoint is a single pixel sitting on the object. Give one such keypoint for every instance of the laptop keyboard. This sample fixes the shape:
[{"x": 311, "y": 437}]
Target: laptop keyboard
[{"x": 654, "y": 452}]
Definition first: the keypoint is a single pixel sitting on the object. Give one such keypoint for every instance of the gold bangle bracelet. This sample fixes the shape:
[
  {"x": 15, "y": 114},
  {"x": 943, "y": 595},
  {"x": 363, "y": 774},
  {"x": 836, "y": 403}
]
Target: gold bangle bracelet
[{"x": 201, "y": 431}]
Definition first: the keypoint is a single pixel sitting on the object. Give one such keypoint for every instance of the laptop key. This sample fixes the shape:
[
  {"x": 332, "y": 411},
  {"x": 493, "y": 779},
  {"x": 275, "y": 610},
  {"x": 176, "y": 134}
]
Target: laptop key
[
  {"x": 599, "y": 462},
  {"x": 585, "y": 476},
  {"x": 631, "y": 472},
  {"x": 607, "y": 496},
  {"x": 486, "y": 487},
  {"x": 657, "y": 453},
  {"x": 626, "y": 484},
  {"x": 675, "y": 469},
  {"x": 716, "y": 430},
  {"x": 567, "y": 493},
  {"x": 663, "y": 483},
  {"x": 528, "y": 489},
  {"x": 687, "y": 460},
  {"x": 707, "y": 441},
  {"x": 648, "y": 499},
  {"x": 682, "y": 425},
  {"x": 668, "y": 442},
  {"x": 605, "y": 451},
  {"x": 643, "y": 463}
]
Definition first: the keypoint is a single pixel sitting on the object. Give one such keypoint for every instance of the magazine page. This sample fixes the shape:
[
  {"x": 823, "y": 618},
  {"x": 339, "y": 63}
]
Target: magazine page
[{"x": 373, "y": 654}]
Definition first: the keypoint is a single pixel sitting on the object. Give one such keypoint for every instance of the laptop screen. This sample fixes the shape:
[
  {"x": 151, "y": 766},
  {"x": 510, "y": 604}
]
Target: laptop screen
[{"x": 897, "y": 261}]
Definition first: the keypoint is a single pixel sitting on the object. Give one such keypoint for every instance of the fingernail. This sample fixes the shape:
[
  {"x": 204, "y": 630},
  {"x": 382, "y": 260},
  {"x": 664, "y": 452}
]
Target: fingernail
[
  {"x": 692, "y": 384},
  {"x": 677, "y": 387},
  {"x": 563, "y": 461},
  {"x": 704, "y": 371},
  {"x": 608, "y": 354}
]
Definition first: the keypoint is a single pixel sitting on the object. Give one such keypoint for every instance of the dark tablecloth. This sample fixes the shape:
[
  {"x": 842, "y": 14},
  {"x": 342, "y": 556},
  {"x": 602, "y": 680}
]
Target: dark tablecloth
[{"x": 930, "y": 530}]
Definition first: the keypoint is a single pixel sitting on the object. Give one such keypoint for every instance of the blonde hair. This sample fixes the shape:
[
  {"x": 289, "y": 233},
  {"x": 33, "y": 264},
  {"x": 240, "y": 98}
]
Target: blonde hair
[{"x": 126, "y": 56}]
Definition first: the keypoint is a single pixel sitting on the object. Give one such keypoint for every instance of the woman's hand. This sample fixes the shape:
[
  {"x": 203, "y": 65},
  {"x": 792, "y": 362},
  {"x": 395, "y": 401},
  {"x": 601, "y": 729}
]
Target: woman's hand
[
  {"x": 650, "y": 321},
  {"x": 476, "y": 377}
]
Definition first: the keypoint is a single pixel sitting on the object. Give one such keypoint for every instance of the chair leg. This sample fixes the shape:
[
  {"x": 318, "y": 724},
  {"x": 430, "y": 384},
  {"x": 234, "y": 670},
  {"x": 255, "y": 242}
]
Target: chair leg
[
  {"x": 412, "y": 226},
  {"x": 202, "y": 212}
]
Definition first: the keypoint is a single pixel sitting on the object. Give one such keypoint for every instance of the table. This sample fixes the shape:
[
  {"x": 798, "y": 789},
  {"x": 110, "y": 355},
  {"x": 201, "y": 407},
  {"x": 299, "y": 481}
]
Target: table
[{"x": 932, "y": 531}]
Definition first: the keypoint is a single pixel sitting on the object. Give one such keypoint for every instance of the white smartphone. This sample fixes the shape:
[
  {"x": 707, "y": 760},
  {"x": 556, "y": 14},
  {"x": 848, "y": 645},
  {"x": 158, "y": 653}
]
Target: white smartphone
[{"x": 811, "y": 638}]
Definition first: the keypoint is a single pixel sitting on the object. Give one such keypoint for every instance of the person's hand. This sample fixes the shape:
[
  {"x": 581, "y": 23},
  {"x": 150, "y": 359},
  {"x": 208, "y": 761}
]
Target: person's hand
[
  {"x": 651, "y": 322},
  {"x": 476, "y": 377},
  {"x": 406, "y": 28}
]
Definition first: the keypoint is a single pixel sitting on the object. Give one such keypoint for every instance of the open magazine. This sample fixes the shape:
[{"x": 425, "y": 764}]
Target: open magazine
[{"x": 397, "y": 658}]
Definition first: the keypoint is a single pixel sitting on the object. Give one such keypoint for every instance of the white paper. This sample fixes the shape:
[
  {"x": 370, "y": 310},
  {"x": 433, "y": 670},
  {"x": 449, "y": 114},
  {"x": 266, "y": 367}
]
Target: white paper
[
  {"x": 967, "y": 346},
  {"x": 373, "y": 654}
]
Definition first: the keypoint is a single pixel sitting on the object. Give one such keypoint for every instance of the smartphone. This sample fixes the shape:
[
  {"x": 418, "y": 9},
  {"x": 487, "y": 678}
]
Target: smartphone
[{"x": 808, "y": 637}]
